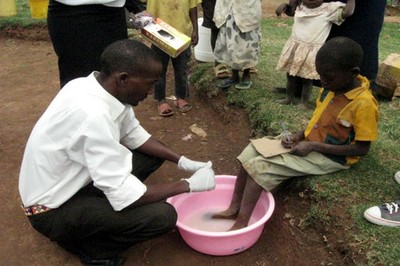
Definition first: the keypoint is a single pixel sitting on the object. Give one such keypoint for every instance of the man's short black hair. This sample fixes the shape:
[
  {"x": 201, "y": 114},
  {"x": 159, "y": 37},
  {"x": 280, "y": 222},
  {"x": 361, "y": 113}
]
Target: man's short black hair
[
  {"x": 341, "y": 52},
  {"x": 127, "y": 55}
]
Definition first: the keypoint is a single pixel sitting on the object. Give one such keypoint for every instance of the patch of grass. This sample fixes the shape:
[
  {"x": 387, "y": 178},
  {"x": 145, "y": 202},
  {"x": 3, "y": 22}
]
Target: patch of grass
[
  {"x": 23, "y": 17},
  {"x": 368, "y": 183}
]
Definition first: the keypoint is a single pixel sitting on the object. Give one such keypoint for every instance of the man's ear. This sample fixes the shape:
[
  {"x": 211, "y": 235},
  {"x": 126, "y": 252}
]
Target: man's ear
[
  {"x": 122, "y": 78},
  {"x": 355, "y": 71}
]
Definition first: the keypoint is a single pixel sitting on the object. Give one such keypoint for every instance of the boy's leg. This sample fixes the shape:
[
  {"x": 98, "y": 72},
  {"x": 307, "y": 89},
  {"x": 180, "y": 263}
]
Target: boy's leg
[
  {"x": 159, "y": 87},
  {"x": 237, "y": 197},
  {"x": 252, "y": 193},
  {"x": 180, "y": 64}
]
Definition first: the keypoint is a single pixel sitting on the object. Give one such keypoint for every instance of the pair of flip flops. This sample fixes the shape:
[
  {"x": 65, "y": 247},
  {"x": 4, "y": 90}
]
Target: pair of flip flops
[
  {"x": 242, "y": 85},
  {"x": 226, "y": 83},
  {"x": 165, "y": 110}
]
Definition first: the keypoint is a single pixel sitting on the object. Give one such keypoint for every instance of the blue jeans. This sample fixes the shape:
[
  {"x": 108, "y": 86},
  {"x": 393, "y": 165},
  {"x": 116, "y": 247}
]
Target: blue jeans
[{"x": 180, "y": 64}]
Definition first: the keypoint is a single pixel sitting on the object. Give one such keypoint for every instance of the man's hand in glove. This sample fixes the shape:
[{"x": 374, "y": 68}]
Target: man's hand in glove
[
  {"x": 190, "y": 165},
  {"x": 202, "y": 180}
]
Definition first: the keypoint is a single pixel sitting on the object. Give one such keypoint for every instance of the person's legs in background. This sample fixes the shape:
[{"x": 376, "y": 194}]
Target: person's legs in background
[
  {"x": 79, "y": 35},
  {"x": 371, "y": 13},
  {"x": 180, "y": 64},
  {"x": 160, "y": 87}
]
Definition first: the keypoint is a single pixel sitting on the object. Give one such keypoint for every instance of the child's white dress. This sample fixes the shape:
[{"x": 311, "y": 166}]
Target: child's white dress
[{"x": 310, "y": 30}]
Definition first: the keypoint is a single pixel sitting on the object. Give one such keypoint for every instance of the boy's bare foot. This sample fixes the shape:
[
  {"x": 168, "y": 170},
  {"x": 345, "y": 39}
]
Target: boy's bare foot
[
  {"x": 238, "y": 225},
  {"x": 285, "y": 101},
  {"x": 227, "y": 214}
]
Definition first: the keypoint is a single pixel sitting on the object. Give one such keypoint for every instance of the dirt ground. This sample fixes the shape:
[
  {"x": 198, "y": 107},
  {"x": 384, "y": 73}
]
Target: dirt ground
[{"x": 29, "y": 81}]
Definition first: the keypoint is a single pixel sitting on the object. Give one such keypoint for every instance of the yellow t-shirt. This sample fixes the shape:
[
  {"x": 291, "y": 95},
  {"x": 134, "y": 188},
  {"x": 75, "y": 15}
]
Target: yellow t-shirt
[
  {"x": 343, "y": 119},
  {"x": 174, "y": 12}
]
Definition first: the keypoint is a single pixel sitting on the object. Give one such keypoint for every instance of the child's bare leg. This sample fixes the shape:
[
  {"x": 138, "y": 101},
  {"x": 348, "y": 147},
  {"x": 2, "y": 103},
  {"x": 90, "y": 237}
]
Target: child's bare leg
[
  {"x": 291, "y": 85},
  {"x": 235, "y": 75},
  {"x": 251, "y": 195},
  {"x": 246, "y": 74},
  {"x": 237, "y": 196},
  {"x": 306, "y": 93}
]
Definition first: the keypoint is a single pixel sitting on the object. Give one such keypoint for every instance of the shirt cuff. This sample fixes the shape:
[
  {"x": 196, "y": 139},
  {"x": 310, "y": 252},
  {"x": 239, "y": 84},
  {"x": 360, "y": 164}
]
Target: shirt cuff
[{"x": 129, "y": 192}]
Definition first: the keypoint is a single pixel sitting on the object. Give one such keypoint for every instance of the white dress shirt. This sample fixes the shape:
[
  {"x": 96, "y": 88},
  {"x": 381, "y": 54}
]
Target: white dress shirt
[{"x": 83, "y": 136}]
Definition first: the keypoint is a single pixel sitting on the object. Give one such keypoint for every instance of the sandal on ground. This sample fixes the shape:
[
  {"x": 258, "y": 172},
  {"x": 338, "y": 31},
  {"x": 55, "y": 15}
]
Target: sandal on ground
[
  {"x": 222, "y": 71},
  {"x": 244, "y": 85},
  {"x": 226, "y": 83},
  {"x": 165, "y": 110},
  {"x": 252, "y": 70},
  {"x": 182, "y": 105}
]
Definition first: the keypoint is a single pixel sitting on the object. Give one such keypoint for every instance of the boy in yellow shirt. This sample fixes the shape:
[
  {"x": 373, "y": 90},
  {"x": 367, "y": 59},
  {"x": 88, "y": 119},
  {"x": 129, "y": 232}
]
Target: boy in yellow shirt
[
  {"x": 181, "y": 15},
  {"x": 344, "y": 124}
]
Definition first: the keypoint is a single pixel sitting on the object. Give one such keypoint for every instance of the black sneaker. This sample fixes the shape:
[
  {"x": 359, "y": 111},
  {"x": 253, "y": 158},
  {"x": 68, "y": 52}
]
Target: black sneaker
[{"x": 388, "y": 214}]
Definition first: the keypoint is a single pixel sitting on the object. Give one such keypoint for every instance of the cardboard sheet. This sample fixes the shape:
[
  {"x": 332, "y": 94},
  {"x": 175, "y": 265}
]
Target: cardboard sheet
[{"x": 269, "y": 147}]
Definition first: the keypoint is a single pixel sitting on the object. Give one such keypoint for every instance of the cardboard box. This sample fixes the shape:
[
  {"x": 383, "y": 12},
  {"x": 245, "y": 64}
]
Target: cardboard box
[
  {"x": 388, "y": 78},
  {"x": 166, "y": 37}
]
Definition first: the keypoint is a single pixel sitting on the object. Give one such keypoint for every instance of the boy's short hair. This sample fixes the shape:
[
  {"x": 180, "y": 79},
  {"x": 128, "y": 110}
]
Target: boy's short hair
[
  {"x": 127, "y": 55},
  {"x": 342, "y": 52}
]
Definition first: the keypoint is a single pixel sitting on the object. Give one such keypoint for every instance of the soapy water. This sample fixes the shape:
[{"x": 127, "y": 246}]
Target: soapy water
[{"x": 203, "y": 220}]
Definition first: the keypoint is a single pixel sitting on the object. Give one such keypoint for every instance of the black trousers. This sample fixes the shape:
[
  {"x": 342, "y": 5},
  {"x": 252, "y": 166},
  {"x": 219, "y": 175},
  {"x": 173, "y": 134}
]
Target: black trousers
[
  {"x": 87, "y": 225},
  {"x": 180, "y": 65},
  {"x": 79, "y": 35}
]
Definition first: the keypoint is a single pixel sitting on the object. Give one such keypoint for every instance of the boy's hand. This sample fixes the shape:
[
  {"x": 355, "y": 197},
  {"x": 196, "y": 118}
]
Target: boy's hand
[
  {"x": 202, "y": 180},
  {"x": 192, "y": 166},
  {"x": 292, "y": 140},
  {"x": 302, "y": 148}
]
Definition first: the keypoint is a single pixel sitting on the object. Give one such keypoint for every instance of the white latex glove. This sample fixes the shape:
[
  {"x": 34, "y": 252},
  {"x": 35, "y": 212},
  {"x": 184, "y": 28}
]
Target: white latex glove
[
  {"x": 190, "y": 165},
  {"x": 202, "y": 180}
]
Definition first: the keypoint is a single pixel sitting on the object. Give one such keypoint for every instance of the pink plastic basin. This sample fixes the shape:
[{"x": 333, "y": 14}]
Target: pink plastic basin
[{"x": 192, "y": 206}]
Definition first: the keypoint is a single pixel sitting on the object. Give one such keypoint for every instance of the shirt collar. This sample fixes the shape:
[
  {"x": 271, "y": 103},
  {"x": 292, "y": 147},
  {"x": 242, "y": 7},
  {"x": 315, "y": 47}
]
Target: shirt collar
[
  {"x": 357, "y": 91},
  {"x": 116, "y": 107}
]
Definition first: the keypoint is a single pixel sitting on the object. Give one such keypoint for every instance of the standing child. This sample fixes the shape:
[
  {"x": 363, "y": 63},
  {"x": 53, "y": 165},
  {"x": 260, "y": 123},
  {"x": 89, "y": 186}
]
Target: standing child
[
  {"x": 220, "y": 70},
  {"x": 343, "y": 125},
  {"x": 312, "y": 23},
  {"x": 181, "y": 15},
  {"x": 238, "y": 41}
]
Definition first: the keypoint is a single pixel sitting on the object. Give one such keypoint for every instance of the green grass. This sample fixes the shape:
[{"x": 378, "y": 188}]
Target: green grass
[
  {"x": 337, "y": 200},
  {"x": 23, "y": 17}
]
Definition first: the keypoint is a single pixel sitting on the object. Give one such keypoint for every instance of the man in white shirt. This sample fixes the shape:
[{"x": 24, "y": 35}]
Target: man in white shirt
[{"x": 81, "y": 179}]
